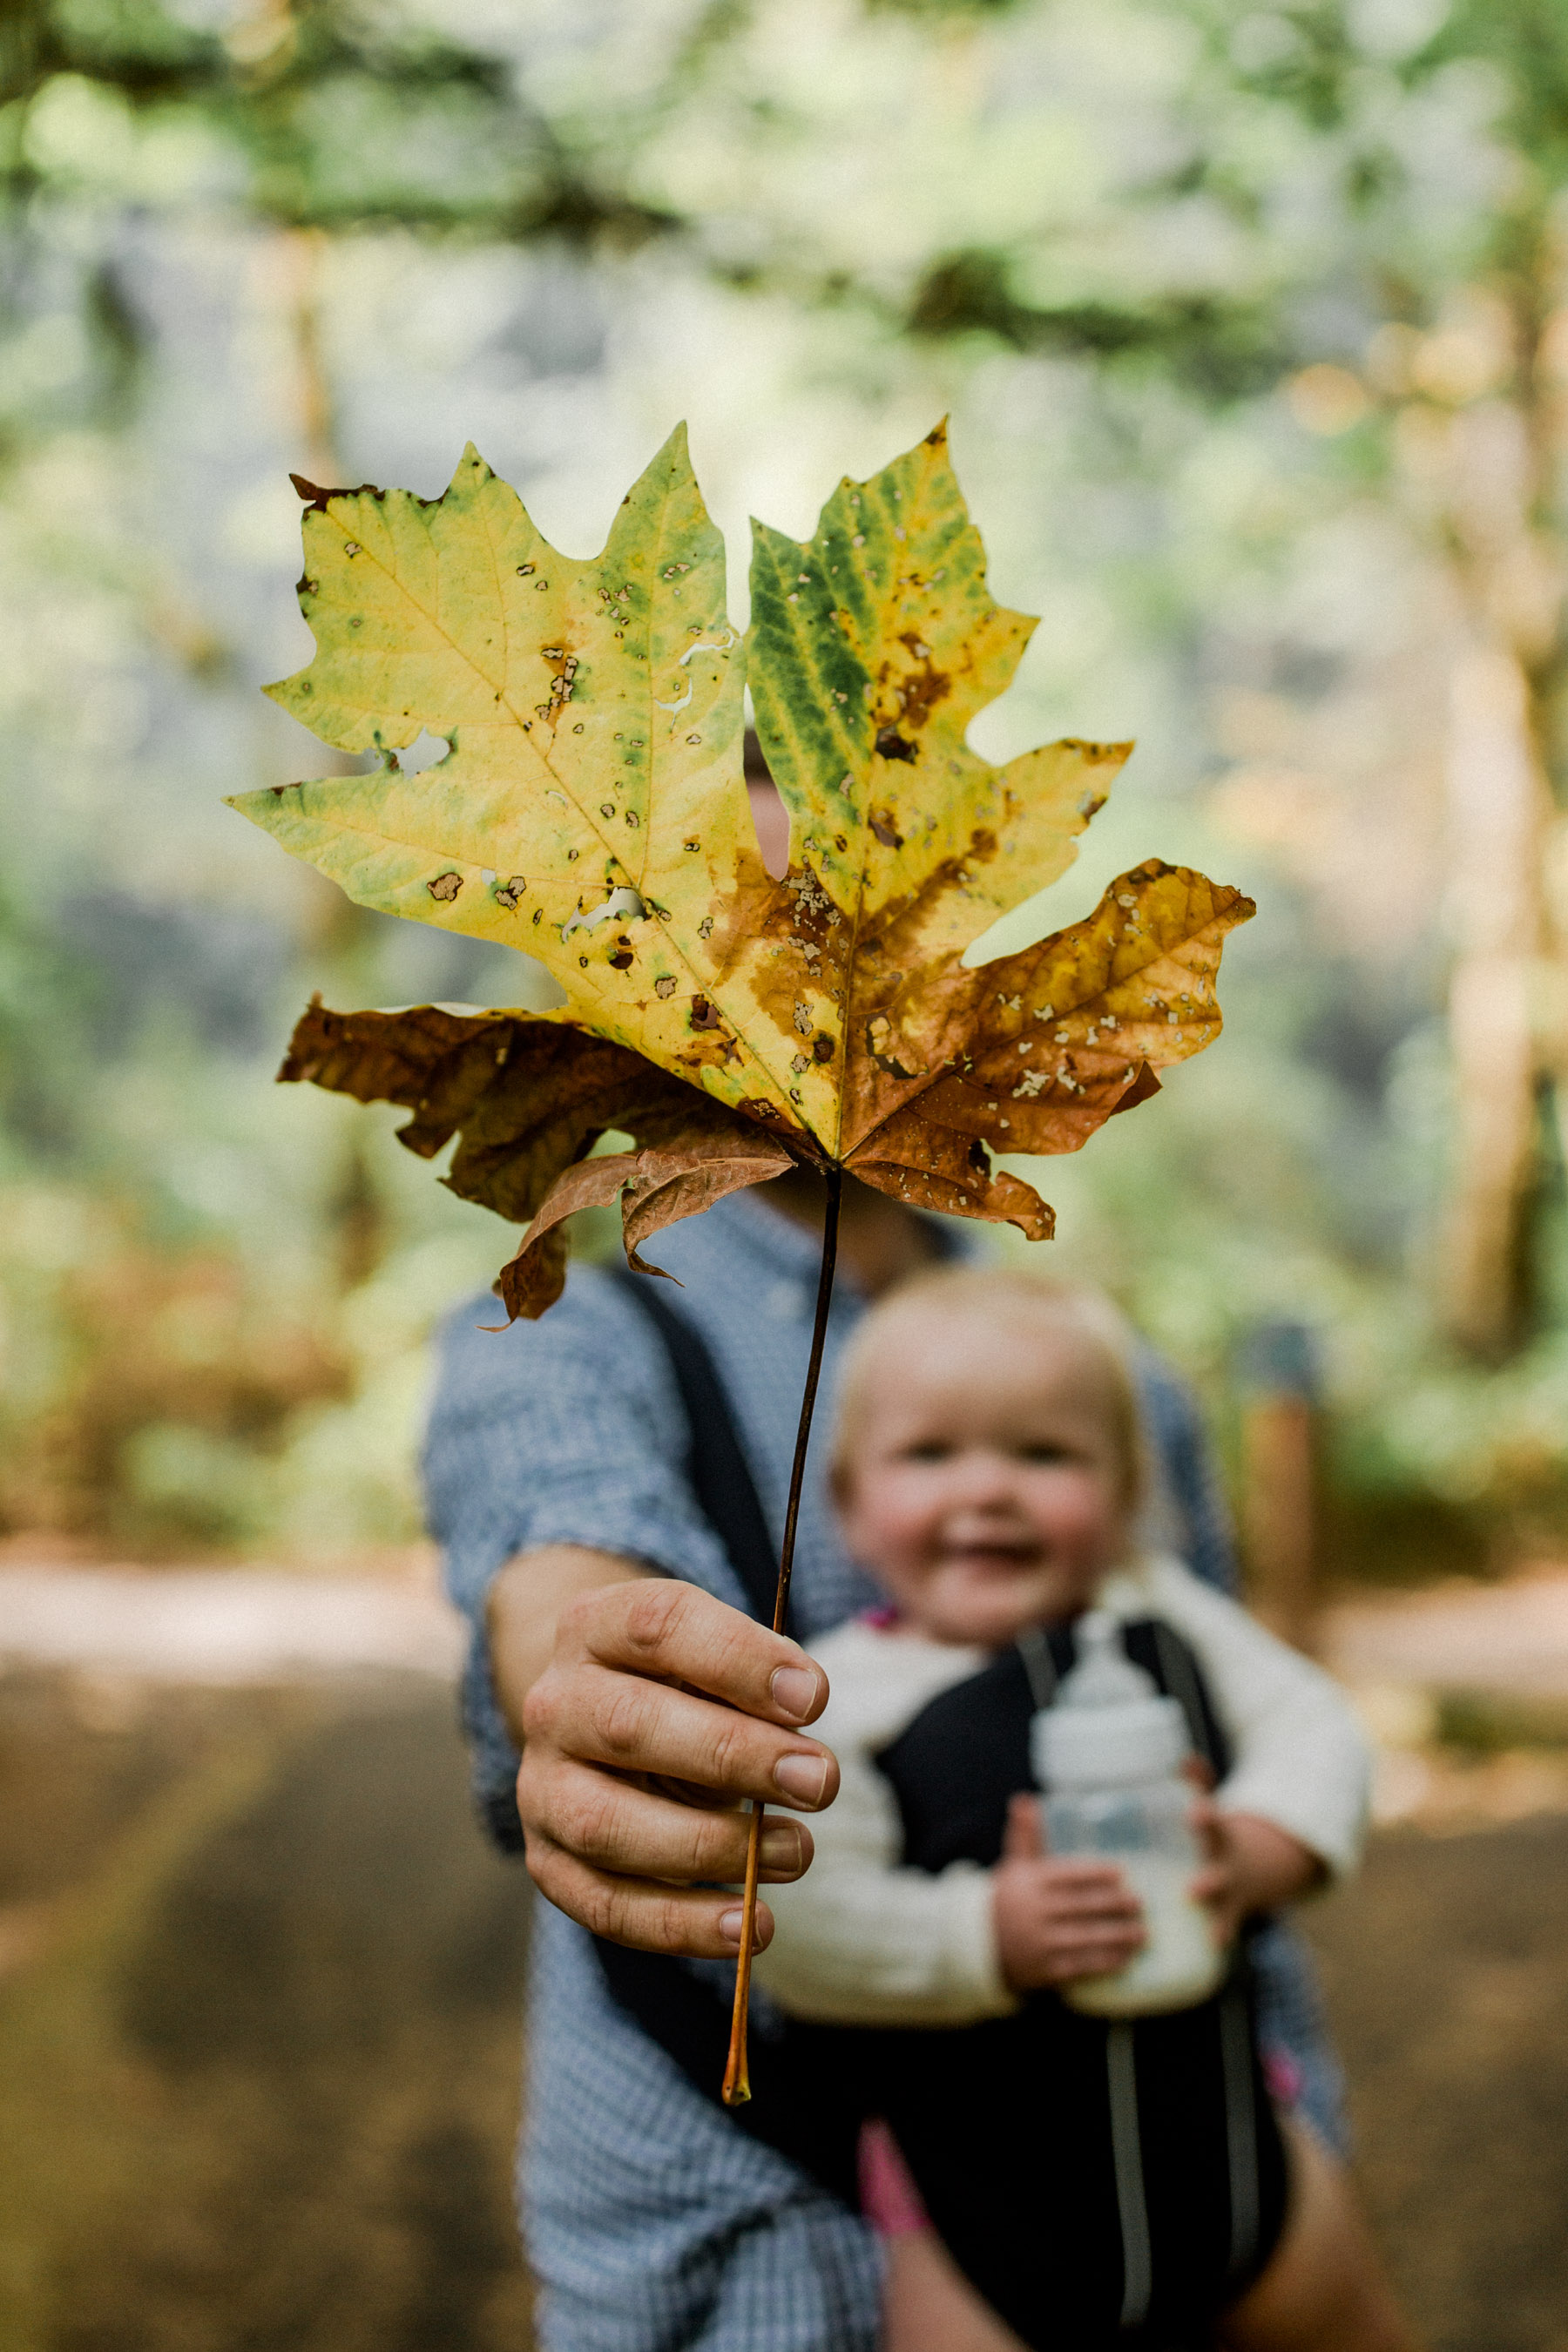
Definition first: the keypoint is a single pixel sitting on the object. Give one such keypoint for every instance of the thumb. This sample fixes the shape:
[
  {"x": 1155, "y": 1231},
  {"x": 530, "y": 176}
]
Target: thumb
[{"x": 1024, "y": 1839}]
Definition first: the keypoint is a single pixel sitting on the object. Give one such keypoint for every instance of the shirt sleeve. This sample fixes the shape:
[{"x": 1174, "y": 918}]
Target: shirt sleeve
[
  {"x": 568, "y": 1430},
  {"x": 860, "y": 1940},
  {"x": 1301, "y": 1760}
]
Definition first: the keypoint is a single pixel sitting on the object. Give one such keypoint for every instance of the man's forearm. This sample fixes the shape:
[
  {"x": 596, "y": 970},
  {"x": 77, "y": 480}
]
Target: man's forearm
[{"x": 524, "y": 1601}]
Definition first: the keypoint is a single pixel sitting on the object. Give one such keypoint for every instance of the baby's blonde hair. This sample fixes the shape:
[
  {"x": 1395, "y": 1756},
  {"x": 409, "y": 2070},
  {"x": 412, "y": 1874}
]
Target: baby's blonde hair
[{"x": 1013, "y": 1295}]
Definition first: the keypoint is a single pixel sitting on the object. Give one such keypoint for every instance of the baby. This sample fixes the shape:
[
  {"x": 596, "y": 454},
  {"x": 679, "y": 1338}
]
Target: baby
[{"x": 1117, "y": 2185}]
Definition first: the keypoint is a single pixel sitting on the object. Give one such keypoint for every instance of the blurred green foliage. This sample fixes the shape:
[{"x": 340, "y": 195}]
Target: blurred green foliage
[
  {"x": 1491, "y": 1724},
  {"x": 1225, "y": 302}
]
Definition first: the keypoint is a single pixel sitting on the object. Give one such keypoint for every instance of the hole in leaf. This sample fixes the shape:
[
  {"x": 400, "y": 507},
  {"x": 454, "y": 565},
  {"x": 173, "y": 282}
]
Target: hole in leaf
[
  {"x": 427, "y": 751},
  {"x": 770, "y": 818},
  {"x": 892, "y": 745}
]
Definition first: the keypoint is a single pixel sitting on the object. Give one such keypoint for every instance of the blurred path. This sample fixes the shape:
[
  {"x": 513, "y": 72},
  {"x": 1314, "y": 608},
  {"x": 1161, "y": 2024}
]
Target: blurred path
[
  {"x": 238, "y": 1624},
  {"x": 1465, "y": 1692},
  {"x": 231, "y": 1626},
  {"x": 221, "y": 1627},
  {"x": 1510, "y": 1637}
]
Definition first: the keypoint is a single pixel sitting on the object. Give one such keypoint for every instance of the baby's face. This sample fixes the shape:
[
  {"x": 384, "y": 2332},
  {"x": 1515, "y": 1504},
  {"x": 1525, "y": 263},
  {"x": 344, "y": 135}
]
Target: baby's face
[{"x": 985, "y": 1481}]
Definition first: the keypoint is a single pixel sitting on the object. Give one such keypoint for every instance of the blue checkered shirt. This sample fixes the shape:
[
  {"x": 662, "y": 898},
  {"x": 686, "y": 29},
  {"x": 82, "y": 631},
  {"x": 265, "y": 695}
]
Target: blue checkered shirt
[{"x": 652, "y": 2222}]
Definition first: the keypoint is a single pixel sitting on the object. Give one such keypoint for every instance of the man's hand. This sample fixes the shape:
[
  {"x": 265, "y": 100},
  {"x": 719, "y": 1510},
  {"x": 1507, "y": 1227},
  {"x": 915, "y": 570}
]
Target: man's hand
[
  {"x": 1250, "y": 1865},
  {"x": 1058, "y": 1920},
  {"x": 661, "y": 1710}
]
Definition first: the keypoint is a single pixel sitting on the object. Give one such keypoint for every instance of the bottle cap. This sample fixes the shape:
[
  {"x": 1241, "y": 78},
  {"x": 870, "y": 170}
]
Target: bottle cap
[{"x": 1109, "y": 1725}]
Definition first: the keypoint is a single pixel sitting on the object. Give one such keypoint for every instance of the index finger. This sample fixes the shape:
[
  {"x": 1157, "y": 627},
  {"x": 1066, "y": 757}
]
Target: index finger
[{"x": 670, "y": 1632}]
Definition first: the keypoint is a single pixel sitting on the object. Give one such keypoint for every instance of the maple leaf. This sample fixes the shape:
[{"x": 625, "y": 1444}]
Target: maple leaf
[{"x": 591, "y": 811}]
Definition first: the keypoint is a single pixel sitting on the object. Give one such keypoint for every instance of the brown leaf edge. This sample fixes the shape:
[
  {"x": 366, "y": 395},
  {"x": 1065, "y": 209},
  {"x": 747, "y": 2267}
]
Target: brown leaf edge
[
  {"x": 528, "y": 1100},
  {"x": 1057, "y": 1039},
  {"x": 685, "y": 1174}
]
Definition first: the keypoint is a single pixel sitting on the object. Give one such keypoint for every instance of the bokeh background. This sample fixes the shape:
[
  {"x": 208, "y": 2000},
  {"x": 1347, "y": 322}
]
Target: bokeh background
[{"x": 1253, "y": 326}]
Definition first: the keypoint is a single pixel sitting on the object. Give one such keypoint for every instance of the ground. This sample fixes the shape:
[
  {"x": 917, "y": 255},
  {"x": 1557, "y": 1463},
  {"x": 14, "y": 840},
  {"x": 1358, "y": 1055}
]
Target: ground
[
  {"x": 1449, "y": 2002},
  {"x": 260, "y": 1990},
  {"x": 260, "y": 2040}
]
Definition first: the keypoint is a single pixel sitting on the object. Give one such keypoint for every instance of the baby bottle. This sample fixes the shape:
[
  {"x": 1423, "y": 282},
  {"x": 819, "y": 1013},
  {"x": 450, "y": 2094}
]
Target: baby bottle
[{"x": 1107, "y": 1752}]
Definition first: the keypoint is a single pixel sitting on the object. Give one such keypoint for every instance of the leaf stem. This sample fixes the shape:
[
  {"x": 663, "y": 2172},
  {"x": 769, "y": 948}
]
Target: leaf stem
[{"x": 737, "y": 2074}]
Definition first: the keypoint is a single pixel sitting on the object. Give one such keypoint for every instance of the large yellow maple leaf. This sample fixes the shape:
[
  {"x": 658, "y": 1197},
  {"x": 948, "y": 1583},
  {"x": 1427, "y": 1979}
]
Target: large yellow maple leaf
[{"x": 591, "y": 811}]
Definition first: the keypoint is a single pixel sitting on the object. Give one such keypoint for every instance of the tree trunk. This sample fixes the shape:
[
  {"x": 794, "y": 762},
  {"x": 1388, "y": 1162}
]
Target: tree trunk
[
  {"x": 1280, "y": 1515},
  {"x": 1501, "y": 517},
  {"x": 1498, "y": 805}
]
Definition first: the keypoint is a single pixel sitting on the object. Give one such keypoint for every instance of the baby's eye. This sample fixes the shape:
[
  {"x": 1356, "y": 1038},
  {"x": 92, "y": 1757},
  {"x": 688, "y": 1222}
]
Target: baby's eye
[
  {"x": 1048, "y": 1451},
  {"x": 928, "y": 1449}
]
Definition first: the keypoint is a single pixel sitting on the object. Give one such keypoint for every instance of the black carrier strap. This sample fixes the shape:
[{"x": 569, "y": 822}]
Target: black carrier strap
[{"x": 720, "y": 1476}]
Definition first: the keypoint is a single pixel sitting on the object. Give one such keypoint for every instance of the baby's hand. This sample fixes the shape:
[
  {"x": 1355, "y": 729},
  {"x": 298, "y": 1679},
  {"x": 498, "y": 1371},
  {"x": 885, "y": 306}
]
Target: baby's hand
[
  {"x": 1251, "y": 1866},
  {"x": 1058, "y": 1920}
]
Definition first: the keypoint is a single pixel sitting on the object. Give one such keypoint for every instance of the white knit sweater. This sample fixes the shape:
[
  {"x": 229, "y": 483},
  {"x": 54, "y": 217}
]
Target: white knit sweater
[{"x": 861, "y": 1940}]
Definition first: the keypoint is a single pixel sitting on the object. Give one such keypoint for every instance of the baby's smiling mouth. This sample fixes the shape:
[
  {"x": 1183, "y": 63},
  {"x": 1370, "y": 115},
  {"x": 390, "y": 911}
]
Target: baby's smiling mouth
[{"x": 993, "y": 1551}]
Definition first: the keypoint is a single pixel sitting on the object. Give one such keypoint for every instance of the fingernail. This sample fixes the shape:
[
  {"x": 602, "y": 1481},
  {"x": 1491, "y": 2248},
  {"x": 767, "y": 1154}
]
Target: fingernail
[
  {"x": 731, "y": 1923},
  {"x": 781, "y": 1845},
  {"x": 793, "y": 1689},
  {"x": 802, "y": 1777}
]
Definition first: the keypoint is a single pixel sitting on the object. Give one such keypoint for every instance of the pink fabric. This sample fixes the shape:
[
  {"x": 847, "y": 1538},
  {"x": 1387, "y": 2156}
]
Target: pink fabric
[
  {"x": 889, "y": 2198},
  {"x": 1282, "y": 2077}
]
